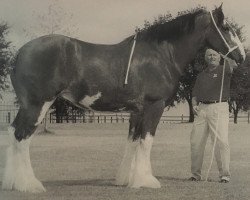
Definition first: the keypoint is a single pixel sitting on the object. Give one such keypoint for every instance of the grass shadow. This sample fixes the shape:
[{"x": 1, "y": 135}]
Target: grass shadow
[
  {"x": 168, "y": 178},
  {"x": 106, "y": 182},
  {"x": 92, "y": 182}
]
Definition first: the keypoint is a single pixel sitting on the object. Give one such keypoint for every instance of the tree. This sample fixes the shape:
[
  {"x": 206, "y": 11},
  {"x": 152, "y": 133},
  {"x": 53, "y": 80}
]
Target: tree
[
  {"x": 6, "y": 55},
  {"x": 240, "y": 91},
  {"x": 188, "y": 79},
  {"x": 239, "y": 79},
  {"x": 55, "y": 21}
]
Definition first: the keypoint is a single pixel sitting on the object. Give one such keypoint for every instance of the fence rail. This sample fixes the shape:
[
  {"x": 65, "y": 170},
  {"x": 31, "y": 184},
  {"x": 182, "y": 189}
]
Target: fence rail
[
  {"x": 109, "y": 118},
  {"x": 8, "y": 113}
]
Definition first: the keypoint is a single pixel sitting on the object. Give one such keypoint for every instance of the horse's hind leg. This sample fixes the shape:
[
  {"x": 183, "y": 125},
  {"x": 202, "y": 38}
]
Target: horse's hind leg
[{"x": 18, "y": 172}]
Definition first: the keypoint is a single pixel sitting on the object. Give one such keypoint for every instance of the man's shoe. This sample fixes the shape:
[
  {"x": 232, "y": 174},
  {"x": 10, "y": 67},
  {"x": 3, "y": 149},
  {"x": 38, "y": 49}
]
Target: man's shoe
[
  {"x": 193, "y": 179},
  {"x": 224, "y": 179}
]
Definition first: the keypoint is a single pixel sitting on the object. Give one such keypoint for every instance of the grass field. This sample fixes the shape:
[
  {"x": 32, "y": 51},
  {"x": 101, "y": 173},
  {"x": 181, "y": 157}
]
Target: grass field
[{"x": 80, "y": 162}]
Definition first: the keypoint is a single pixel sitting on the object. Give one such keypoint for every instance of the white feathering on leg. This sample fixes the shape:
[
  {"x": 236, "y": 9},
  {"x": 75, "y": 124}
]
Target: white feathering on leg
[
  {"x": 122, "y": 177},
  {"x": 141, "y": 172},
  {"x": 18, "y": 172}
]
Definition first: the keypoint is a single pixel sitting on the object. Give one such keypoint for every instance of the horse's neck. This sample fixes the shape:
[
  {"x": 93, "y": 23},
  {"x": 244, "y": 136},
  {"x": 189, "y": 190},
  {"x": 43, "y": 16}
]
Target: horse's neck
[{"x": 186, "y": 49}]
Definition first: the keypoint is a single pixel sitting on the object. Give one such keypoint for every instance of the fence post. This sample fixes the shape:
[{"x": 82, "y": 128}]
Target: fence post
[{"x": 8, "y": 117}]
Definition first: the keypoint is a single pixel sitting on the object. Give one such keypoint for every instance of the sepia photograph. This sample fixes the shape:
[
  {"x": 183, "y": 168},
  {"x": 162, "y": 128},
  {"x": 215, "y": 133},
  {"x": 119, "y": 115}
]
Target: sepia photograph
[{"x": 124, "y": 100}]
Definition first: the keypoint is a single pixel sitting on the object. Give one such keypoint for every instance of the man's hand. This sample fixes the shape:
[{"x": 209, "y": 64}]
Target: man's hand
[
  {"x": 231, "y": 63},
  {"x": 196, "y": 109},
  {"x": 195, "y": 105}
]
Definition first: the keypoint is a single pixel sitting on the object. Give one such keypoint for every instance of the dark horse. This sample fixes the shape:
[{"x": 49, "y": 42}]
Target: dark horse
[{"x": 92, "y": 76}]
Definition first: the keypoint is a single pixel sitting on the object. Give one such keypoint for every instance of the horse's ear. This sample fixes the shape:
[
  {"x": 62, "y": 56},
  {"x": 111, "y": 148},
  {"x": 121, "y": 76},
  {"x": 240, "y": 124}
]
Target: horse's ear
[
  {"x": 220, "y": 7},
  {"x": 219, "y": 14}
]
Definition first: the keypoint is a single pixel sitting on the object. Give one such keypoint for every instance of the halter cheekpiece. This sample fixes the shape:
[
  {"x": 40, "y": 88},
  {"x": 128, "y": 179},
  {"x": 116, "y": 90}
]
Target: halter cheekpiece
[{"x": 222, "y": 37}]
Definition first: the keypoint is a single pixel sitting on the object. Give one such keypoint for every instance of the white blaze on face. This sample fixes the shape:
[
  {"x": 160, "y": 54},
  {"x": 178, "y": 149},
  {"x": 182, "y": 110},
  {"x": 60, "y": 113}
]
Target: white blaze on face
[
  {"x": 90, "y": 100},
  {"x": 239, "y": 44}
]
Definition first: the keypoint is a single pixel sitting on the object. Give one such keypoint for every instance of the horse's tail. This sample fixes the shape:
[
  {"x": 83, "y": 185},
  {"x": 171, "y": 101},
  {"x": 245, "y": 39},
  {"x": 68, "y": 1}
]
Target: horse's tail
[
  {"x": 13, "y": 65},
  {"x": 12, "y": 77}
]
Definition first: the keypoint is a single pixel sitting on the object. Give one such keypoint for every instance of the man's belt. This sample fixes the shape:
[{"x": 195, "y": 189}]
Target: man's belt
[{"x": 210, "y": 102}]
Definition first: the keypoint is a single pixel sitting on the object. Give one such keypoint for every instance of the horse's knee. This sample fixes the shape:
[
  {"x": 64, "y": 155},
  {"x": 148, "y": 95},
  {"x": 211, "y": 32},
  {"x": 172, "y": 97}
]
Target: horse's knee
[{"x": 25, "y": 123}]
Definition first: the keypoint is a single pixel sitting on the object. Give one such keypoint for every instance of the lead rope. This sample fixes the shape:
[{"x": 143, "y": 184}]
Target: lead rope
[
  {"x": 218, "y": 116},
  {"x": 221, "y": 92},
  {"x": 130, "y": 58},
  {"x": 217, "y": 123}
]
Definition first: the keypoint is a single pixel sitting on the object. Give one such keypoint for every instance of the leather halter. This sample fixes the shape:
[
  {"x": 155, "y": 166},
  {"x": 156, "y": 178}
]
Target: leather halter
[{"x": 222, "y": 37}]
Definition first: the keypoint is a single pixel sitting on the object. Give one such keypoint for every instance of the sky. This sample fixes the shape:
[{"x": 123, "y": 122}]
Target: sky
[{"x": 103, "y": 21}]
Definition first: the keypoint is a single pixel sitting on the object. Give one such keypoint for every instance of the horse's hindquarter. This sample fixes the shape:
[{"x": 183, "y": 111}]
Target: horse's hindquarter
[{"x": 43, "y": 67}]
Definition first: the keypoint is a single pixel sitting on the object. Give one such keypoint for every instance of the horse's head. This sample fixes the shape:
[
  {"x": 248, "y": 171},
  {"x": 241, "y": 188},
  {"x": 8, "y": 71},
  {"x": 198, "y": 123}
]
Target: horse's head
[{"x": 221, "y": 37}]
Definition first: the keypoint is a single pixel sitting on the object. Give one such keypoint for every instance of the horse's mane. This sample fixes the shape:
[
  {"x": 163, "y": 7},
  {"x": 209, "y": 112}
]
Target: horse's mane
[{"x": 173, "y": 29}]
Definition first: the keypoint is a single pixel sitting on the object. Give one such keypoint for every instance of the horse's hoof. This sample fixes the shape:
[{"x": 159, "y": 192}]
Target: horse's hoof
[
  {"x": 145, "y": 181},
  {"x": 33, "y": 186}
]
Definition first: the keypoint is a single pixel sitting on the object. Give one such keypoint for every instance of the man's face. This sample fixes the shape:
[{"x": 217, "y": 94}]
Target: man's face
[{"x": 212, "y": 58}]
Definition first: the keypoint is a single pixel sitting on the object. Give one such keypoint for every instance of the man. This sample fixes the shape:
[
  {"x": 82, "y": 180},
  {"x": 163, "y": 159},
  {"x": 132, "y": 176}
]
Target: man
[{"x": 211, "y": 116}]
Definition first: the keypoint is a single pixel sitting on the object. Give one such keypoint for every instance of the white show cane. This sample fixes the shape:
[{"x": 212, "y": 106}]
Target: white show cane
[{"x": 218, "y": 116}]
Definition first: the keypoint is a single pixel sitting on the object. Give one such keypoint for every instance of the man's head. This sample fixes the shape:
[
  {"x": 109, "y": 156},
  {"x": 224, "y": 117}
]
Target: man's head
[{"x": 212, "y": 58}]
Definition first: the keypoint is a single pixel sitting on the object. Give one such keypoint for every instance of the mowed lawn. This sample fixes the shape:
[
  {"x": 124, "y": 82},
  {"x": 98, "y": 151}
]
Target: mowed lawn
[{"x": 80, "y": 162}]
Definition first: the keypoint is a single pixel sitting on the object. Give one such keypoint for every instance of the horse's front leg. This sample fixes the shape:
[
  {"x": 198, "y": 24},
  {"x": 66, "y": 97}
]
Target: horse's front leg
[
  {"x": 135, "y": 170},
  {"x": 122, "y": 177}
]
